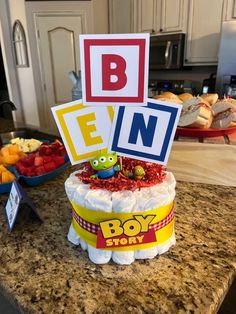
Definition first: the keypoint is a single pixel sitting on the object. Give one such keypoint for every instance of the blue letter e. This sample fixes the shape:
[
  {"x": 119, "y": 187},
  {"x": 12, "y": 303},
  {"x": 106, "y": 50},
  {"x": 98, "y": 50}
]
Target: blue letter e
[{"x": 147, "y": 132}]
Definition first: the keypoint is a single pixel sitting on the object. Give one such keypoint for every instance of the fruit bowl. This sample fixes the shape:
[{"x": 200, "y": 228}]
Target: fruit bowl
[
  {"x": 36, "y": 180},
  {"x": 47, "y": 162},
  {"x": 6, "y": 187}
]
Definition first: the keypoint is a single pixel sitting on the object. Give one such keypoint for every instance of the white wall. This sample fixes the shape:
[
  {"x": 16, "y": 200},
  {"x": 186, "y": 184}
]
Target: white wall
[
  {"x": 29, "y": 91},
  {"x": 8, "y": 60},
  {"x": 25, "y": 75}
]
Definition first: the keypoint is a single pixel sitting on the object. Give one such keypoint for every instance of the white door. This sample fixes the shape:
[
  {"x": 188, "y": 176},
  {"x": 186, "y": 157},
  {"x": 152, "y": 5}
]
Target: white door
[{"x": 58, "y": 46}]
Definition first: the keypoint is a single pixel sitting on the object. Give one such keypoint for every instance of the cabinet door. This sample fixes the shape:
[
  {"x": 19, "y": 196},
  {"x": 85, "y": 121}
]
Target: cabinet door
[
  {"x": 58, "y": 44},
  {"x": 230, "y": 10},
  {"x": 173, "y": 16},
  {"x": 121, "y": 13},
  {"x": 204, "y": 27},
  {"x": 148, "y": 12}
]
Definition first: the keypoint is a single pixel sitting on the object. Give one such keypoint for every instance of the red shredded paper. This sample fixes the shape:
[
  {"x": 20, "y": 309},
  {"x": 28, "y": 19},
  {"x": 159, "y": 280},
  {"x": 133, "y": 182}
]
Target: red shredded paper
[{"x": 154, "y": 174}]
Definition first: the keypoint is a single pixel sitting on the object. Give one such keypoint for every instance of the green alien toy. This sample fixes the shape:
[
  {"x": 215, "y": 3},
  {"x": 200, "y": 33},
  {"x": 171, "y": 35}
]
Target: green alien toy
[{"x": 105, "y": 165}]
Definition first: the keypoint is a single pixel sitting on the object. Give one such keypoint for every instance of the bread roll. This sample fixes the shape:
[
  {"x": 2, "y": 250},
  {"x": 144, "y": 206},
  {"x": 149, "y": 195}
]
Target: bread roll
[
  {"x": 169, "y": 95},
  {"x": 173, "y": 100},
  {"x": 194, "y": 101},
  {"x": 210, "y": 98},
  {"x": 222, "y": 106},
  {"x": 196, "y": 116},
  {"x": 185, "y": 96},
  {"x": 224, "y": 119}
]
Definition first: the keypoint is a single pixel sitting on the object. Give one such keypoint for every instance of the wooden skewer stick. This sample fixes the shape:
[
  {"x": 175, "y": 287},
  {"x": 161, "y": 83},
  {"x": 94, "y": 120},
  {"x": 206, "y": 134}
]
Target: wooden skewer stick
[{"x": 121, "y": 166}]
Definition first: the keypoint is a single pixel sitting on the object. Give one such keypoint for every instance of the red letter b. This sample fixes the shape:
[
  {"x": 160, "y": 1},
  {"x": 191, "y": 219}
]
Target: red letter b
[{"x": 118, "y": 71}]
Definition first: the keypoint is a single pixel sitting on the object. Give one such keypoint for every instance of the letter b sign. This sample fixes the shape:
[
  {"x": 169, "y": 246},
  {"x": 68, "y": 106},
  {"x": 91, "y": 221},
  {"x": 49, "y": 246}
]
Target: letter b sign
[
  {"x": 114, "y": 69},
  {"x": 118, "y": 71}
]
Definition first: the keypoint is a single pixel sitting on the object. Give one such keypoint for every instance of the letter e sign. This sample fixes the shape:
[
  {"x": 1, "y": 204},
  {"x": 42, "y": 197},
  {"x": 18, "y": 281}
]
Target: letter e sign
[{"x": 114, "y": 69}]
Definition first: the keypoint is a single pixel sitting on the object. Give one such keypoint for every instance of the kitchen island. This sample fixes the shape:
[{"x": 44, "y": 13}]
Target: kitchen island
[{"x": 41, "y": 272}]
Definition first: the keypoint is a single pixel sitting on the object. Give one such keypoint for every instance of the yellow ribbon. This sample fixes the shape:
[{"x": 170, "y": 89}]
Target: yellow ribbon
[{"x": 96, "y": 217}]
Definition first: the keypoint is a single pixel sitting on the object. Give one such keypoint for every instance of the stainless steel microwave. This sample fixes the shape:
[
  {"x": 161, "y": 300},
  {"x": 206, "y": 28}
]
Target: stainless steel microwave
[{"x": 166, "y": 51}]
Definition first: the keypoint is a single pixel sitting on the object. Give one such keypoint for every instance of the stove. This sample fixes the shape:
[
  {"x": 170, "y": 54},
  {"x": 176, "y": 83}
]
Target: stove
[{"x": 177, "y": 87}]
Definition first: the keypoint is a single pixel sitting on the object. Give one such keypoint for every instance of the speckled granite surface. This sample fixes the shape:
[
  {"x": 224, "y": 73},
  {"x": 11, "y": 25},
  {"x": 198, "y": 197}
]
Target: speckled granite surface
[{"x": 43, "y": 273}]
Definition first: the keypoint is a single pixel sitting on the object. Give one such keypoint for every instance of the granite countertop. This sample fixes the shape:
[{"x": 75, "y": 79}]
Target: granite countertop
[
  {"x": 44, "y": 273},
  {"x": 41, "y": 272}
]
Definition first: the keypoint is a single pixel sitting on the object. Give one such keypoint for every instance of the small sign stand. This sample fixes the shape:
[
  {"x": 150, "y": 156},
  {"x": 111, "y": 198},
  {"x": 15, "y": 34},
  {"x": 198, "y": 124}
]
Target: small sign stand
[{"x": 17, "y": 197}]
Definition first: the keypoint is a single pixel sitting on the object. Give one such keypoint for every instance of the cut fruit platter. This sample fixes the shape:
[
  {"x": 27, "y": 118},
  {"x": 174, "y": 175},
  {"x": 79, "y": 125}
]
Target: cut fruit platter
[{"x": 33, "y": 161}]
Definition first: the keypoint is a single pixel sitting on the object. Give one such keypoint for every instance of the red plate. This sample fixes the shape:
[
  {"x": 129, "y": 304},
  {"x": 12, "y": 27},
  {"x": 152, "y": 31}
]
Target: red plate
[{"x": 195, "y": 132}]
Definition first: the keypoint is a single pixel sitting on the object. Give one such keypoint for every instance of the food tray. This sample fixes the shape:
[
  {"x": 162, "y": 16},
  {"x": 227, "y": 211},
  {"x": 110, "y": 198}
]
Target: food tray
[
  {"x": 6, "y": 187},
  {"x": 200, "y": 133},
  {"x": 36, "y": 180}
]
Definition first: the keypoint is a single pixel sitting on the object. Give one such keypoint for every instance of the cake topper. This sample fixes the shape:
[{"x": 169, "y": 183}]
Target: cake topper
[
  {"x": 114, "y": 72},
  {"x": 137, "y": 173},
  {"x": 105, "y": 165}
]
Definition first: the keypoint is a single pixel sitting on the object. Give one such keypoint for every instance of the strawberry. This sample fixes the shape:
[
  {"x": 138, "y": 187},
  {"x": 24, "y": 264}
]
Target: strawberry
[
  {"x": 38, "y": 161},
  {"x": 58, "y": 143},
  {"x": 59, "y": 160},
  {"x": 47, "y": 159},
  {"x": 29, "y": 171},
  {"x": 48, "y": 151},
  {"x": 29, "y": 160},
  {"x": 50, "y": 166},
  {"x": 44, "y": 149},
  {"x": 62, "y": 151},
  {"x": 40, "y": 170}
]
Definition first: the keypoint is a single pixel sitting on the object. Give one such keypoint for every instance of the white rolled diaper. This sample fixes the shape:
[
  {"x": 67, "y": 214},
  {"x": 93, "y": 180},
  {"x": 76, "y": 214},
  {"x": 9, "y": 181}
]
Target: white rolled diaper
[
  {"x": 70, "y": 185},
  {"x": 99, "y": 200},
  {"x": 156, "y": 196},
  {"x": 123, "y": 202},
  {"x": 73, "y": 236},
  {"x": 83, "y": 244}
]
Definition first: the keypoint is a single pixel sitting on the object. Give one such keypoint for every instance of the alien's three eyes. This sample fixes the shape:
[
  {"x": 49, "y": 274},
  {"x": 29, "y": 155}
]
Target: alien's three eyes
[{"x": 102, "y": 160}]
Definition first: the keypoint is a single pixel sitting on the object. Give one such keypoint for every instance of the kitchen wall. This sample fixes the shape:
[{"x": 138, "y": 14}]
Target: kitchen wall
[
  {"x": 23, "y": 88},
  {"x": 25, "y": 75}
]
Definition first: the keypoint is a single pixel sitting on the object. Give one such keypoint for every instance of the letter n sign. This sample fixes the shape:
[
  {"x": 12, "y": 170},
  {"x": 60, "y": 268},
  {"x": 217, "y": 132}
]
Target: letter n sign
[
  {"x": 145, "y": 133},
  {"x": 114, "y": 69}
]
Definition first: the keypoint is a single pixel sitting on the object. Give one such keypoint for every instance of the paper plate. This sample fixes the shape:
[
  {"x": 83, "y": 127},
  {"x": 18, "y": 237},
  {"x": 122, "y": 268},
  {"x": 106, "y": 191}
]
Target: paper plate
[{"x": 196, "y": 132}]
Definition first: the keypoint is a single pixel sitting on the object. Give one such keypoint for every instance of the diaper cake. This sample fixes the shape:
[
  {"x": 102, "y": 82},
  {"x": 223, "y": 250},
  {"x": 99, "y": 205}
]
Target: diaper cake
[
  {"x": 122, "y": 209},
  {"x": 122, "y": 206}
]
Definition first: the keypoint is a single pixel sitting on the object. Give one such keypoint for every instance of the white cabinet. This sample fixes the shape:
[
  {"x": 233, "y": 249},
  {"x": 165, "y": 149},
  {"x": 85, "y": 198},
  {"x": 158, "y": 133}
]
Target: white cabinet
[
  {"x": 153, "y": 16},
  {"x": 230, "y": 10},
  {"x": 121, "y": 16},
  {"x": 201, "y": 20},
  {"x": 203, "y": 33},
  {"x": 148, "y": 16},
  {"x": 161, "y": 16},
  {"x": 173, "y": 16}
]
